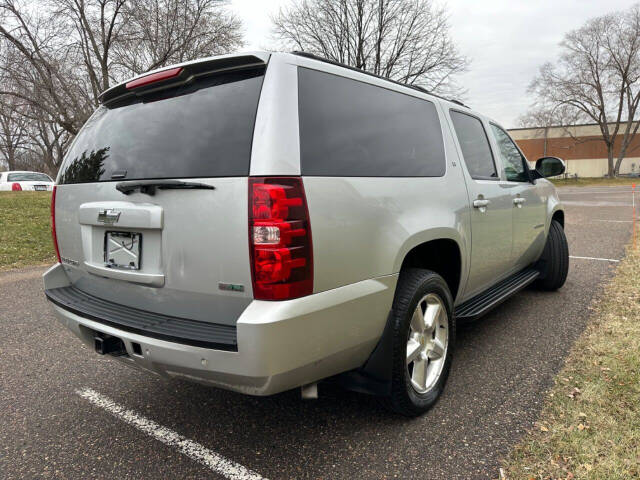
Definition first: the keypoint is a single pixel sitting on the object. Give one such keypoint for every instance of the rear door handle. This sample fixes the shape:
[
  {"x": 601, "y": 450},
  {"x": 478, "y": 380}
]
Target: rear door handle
[
  {"x": 519, "y": 201},
  {"x": 481, "y": 204}
]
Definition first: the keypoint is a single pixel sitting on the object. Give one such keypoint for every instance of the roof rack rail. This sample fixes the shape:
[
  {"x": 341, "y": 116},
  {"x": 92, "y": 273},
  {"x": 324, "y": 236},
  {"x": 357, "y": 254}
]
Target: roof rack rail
[
  {"x": 422, "y": 89},
  {"x": 457, "y": 101},
  {"x": 339, "y": 64}
]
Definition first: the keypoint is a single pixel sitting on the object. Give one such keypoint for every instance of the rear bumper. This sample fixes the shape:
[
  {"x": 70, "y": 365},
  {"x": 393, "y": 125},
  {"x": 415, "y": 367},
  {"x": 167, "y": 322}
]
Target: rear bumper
[
  {"x": 147, "y": 324},
  {"x": 280, "y": 345}
]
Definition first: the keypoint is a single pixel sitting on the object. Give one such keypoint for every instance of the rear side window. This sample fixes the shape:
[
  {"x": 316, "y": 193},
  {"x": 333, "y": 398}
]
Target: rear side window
[
  {"x": 28, "y": 177},
  {"x": 353, "y": 129},
  {"x": 202, "y": 129},
  {"x": 475, "y": 146}
]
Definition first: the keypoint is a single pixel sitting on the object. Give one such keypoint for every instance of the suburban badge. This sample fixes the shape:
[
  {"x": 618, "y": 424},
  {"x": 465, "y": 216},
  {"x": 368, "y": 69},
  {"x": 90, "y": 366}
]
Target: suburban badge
[{"x": 231, "y": 287}]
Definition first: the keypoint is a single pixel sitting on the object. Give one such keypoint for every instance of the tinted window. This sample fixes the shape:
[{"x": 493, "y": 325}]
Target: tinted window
[
  {"x": 349, "y": 128},
  {"x": 475, "y": 146},
  {"x": 203, "y": 129},
  {"x": 512, "y": 159},
  {"x": 28, "y": 177}
]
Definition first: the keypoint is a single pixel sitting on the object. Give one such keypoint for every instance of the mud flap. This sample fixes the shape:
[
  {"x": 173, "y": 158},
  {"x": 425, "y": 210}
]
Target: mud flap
[{"x": 374, "y": 377}]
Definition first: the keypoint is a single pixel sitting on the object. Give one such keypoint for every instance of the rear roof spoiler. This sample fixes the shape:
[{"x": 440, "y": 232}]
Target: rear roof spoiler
[{"x": 187, "y": 72}]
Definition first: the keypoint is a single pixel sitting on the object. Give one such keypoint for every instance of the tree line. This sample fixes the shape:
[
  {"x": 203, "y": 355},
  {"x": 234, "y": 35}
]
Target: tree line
[
  {"x": 57, "y": 56},
  {"x": 596, "y": 80}
]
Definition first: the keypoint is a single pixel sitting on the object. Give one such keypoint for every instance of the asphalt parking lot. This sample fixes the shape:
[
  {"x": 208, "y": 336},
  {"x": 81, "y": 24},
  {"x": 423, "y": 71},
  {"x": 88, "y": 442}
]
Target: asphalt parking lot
[{"x": 68, "y": 413}]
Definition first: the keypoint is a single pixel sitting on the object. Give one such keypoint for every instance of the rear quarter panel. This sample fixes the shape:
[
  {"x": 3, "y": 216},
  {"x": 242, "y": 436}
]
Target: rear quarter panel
[{"x": 363, "y": 227}]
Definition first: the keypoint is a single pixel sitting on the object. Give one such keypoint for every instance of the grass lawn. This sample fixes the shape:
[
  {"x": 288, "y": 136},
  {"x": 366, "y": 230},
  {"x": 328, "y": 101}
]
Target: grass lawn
[
  {"x": 584, "y": 182},
  {"x": 25, "y": 229},
  {"x": 590, "y": 425}
]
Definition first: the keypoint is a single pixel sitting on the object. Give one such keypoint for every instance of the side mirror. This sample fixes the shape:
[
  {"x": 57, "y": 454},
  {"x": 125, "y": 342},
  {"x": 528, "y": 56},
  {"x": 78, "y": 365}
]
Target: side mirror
[{"x": 549, "y": 167}]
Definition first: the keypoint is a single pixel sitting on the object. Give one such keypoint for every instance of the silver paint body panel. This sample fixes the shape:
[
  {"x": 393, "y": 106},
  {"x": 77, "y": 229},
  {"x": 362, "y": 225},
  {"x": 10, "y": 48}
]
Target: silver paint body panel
[
  {"x": 362, "y": 229},
  {"x": 191, "y": 241}
]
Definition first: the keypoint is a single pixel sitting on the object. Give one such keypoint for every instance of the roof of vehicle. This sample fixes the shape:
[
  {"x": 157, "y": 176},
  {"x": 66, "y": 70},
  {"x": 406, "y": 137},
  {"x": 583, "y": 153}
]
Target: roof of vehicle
[
  {"x": 262, "y": 57},
  {"x": 25, "y": 171},
  {"x": 241, "y": 59}
]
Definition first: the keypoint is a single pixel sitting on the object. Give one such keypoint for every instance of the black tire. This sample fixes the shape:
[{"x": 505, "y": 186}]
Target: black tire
[
  {"x": 413, "y": 285},
  {"x": 554, "y": 262}
]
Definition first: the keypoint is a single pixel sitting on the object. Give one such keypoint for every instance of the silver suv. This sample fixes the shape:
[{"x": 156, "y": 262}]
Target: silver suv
[{"x": 261, "y": 222}]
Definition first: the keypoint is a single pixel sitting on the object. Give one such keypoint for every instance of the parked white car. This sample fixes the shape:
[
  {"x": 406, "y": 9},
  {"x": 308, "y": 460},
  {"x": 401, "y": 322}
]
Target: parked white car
[{"x": 18, "y": 181}]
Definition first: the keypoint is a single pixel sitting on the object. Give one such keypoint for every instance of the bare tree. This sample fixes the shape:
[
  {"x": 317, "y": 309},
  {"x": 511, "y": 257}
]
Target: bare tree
[
  {"x": 48, "y": 143},
  {"x": 14, "y": 124},
  {"x": 161, "y": 32},
  {"x": 405, "y": 40},
  {"x": 29, "y": 139},
  {"x": 63, "y": 53},
  {"x": 43, "y": 64},
  {"x": 597, "y": 79},
  {"x": 13, "y": 131},
  {"x": 96, "y": 25}
]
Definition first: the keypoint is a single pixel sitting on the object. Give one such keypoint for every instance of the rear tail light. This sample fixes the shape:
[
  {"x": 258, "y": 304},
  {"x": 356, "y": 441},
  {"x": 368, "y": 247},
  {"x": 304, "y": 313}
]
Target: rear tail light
[
  {"x": 16, "y": 187},
  {"x": 279, "y": 238},
  {"x": 53, "y": 224}
]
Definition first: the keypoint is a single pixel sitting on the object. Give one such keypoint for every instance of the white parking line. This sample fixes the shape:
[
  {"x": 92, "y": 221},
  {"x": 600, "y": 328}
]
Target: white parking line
[
  {"x": 593, "y": 203},
  {"x": 191, "y": 449},
  {"x": 612, "y": 221},
  {"x": 598, "y": 192},
  {"x": 596, "y": 258}
]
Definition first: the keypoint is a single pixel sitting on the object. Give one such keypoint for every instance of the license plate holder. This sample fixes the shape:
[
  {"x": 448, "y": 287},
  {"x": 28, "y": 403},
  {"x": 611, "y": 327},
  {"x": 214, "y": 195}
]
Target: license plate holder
[
  {"x": 40, "y": 188},
  {"x": 122, "y": 250}
]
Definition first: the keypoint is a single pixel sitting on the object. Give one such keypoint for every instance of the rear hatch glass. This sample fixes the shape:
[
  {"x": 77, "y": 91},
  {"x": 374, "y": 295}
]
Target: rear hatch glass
[
  {"x": 170, "y": 251},
  {"x": 186, "y": 132}
]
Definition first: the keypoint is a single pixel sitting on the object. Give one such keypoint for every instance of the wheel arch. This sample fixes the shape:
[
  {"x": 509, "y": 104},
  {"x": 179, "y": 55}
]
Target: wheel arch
[
  {"x": 558, "y": 215},
  {"x": 440, "y": 255},
  {"x": 555, "y": 209}
]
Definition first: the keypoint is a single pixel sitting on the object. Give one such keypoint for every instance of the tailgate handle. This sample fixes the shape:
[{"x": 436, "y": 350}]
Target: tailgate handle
[{"x": 121, "y": 214}]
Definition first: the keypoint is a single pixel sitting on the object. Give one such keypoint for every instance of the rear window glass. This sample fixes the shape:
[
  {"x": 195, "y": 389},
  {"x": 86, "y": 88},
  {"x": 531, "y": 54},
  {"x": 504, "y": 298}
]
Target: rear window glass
[
  {"x": 203, "y": 129},
  {"x": 350, "y": 128},
  {"x": 28, "y": 177}
]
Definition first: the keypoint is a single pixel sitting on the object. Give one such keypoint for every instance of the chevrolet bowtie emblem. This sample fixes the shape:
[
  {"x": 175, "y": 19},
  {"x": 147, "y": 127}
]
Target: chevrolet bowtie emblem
[{"x": 108, "y": 217}]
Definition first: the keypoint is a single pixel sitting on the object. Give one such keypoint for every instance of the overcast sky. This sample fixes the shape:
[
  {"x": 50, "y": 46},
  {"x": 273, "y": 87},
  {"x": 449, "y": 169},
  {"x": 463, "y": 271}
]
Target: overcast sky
[{"x": 506, "y": 41}]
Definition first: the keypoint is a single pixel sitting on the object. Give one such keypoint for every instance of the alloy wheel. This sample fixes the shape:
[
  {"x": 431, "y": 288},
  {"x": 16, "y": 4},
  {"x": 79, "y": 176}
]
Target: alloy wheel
[{"x": 427, "y": 343}]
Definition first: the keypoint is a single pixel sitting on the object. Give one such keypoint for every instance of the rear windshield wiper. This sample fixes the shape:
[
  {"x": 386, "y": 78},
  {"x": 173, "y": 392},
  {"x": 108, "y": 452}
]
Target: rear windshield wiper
[{"x": 149, "y": 186}]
